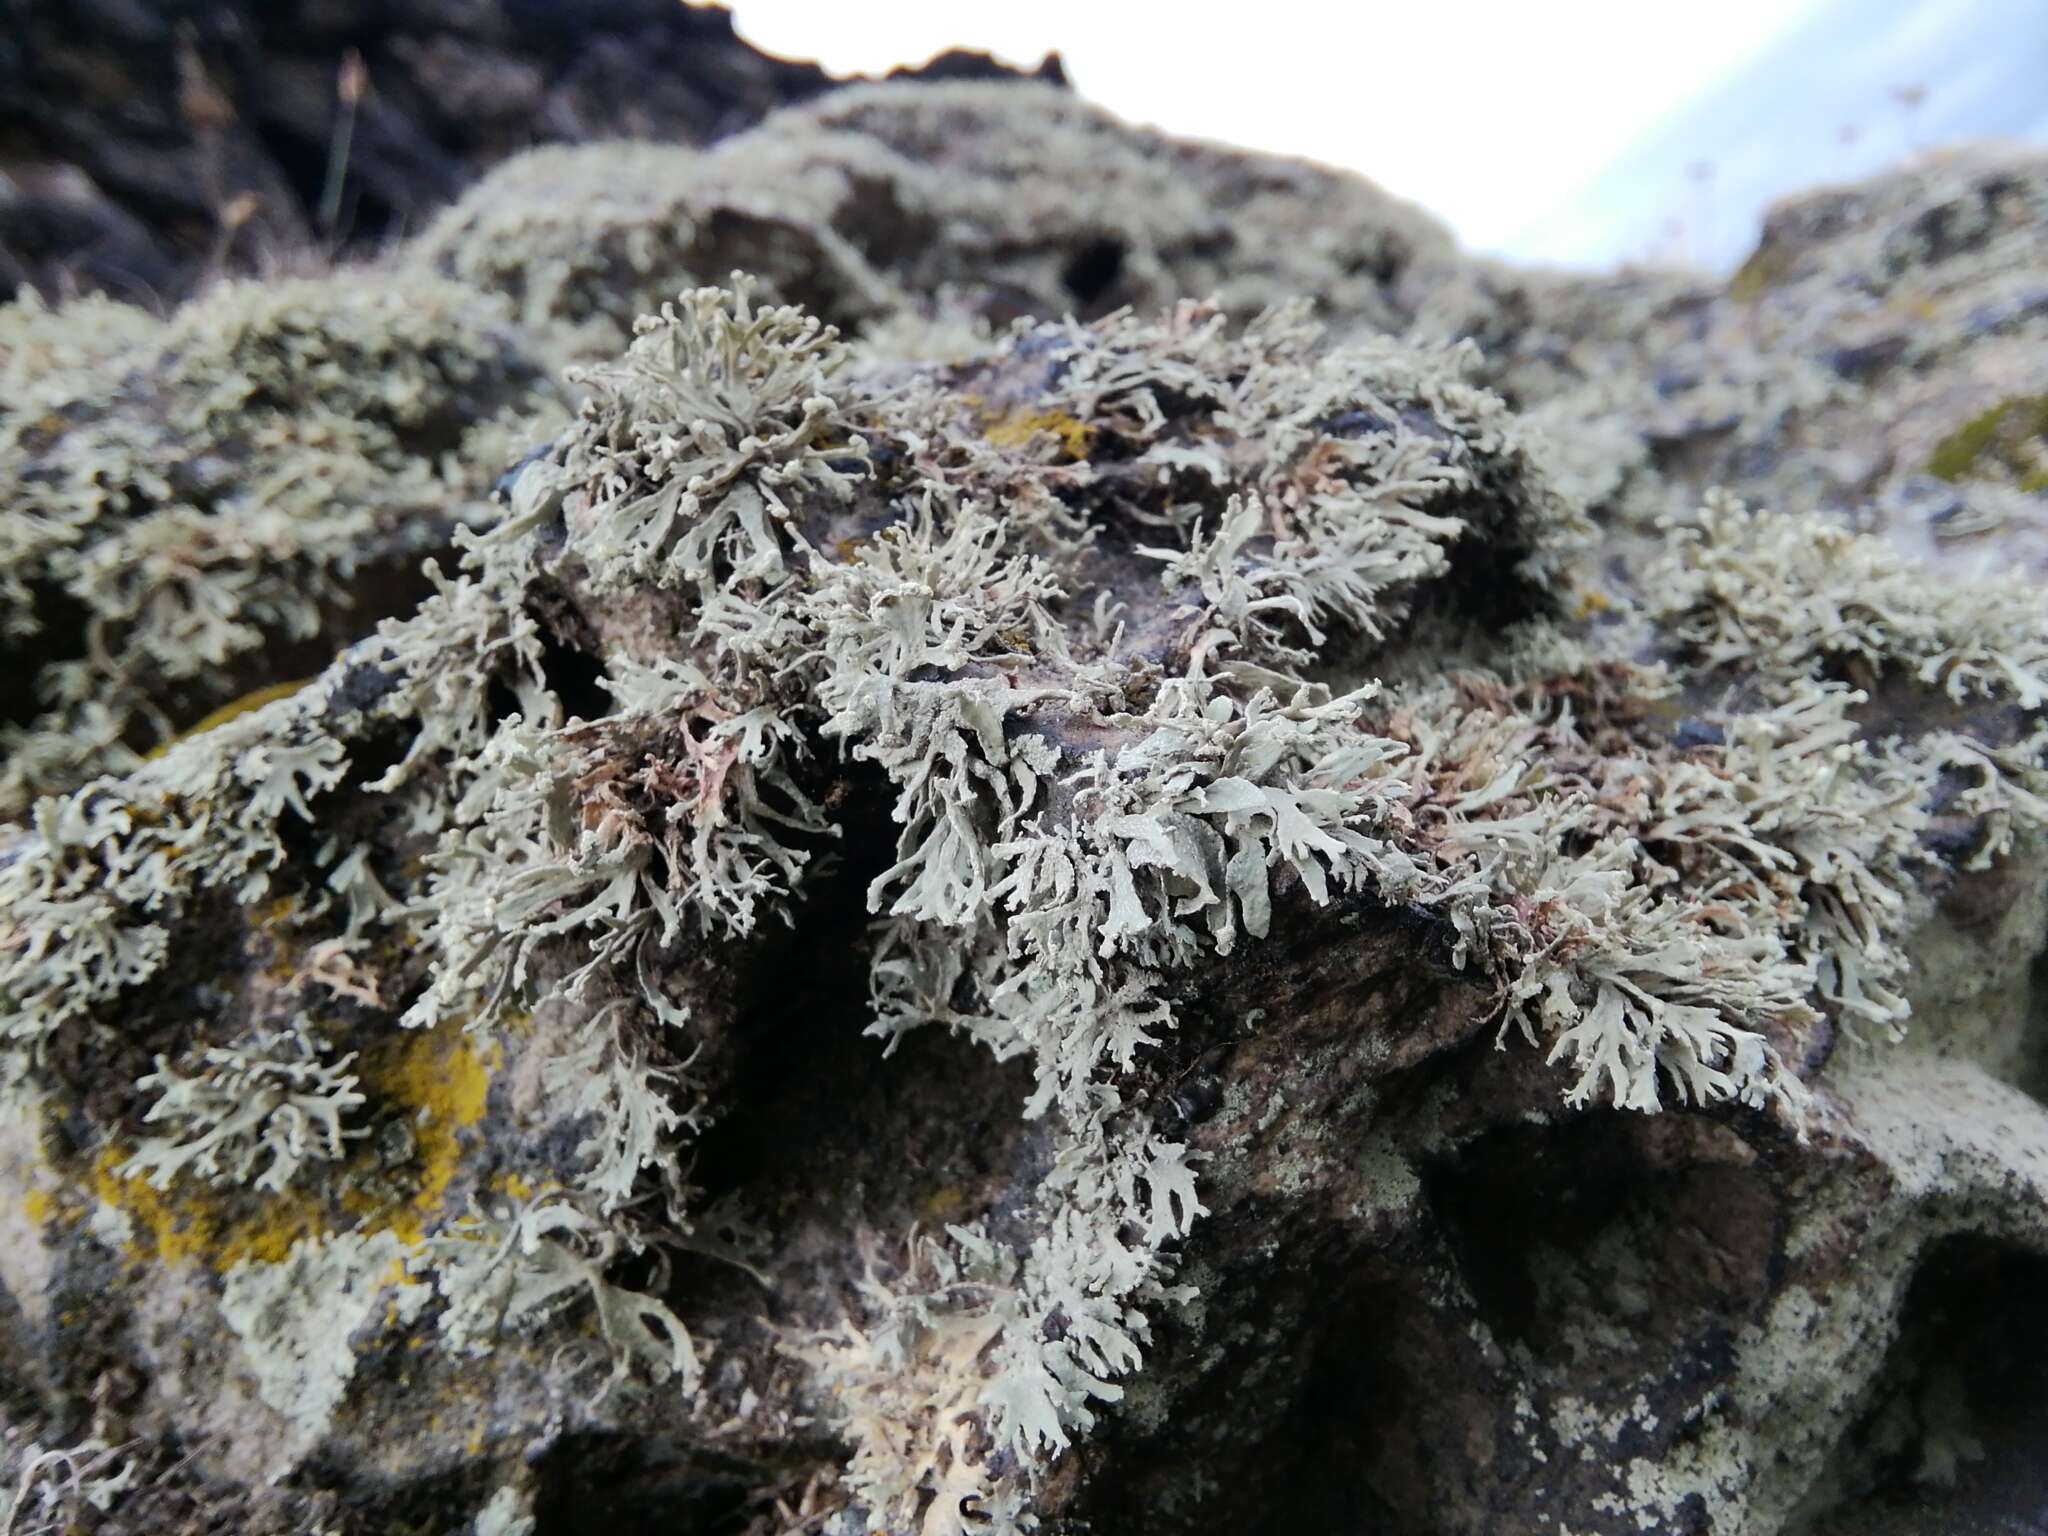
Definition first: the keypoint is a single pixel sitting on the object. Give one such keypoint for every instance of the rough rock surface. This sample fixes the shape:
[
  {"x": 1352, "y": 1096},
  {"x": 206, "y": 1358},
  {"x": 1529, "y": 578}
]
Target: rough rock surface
[
  {"x": 1879, "y": 358},
  {"x": 1123, "y": 920}
]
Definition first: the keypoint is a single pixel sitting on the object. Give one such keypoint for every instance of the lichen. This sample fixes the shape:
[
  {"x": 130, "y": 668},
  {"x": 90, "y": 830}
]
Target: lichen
[
  {"x": 207, "y": 490},
  {"x": 296, "y": 1317},
  {"x": 199, "y": 1226},
  {"x": 1801, "y": 599},
  {"x": 250, "y": 1115},
  {"x": 518, "y": 1272},
  {"x": 57, "y": 1485},
  {"x": 433, "y": 1083},
  {"x": 1078, "y": 668}
]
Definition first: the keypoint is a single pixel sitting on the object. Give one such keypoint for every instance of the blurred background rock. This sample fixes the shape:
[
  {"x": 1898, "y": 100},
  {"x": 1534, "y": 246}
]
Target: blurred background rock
[
  {"x": 147, "y": 145},
  {"x": 1586, "y": 133}
]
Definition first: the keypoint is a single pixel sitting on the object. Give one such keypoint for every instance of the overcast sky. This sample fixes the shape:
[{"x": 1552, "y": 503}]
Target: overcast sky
[
  {"x": 1846, "y": 89},
  {"x": 1577, "y": 131}
]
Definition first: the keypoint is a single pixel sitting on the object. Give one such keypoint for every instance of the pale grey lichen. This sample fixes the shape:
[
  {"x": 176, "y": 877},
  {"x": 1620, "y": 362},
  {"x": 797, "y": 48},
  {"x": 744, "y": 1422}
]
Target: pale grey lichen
[
  {"x": 872, "y": 204},
  {"x": 1074, "y": 826},
  {"x": 507, "y": 1513},
  {"x": 90, "y": 903},
  {"x": 1141, "y": 636},
  {"x": 1675, "y": 914},
  {"x": 715, "y": 412},
  {"x": 640, "y": 1108},
  {"x": 250, "y": 1114},
  {"x": 516, "y": 1271},
  {"x": 176, "y": 498},
  {"x": 1802, "y": 597},
  {"x": 297, "y": 1319},
  {"x": 53, "y": 1485}
]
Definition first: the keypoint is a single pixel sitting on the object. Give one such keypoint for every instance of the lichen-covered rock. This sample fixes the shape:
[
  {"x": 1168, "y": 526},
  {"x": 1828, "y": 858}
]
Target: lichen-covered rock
[
  {"x": 882, "y": 202},
  {"x": 1879, "y": 358},
  {"x": 192, "y": 509},
  {"x": 1126, "y": 924},
  {"x": 194, "y": 512}
]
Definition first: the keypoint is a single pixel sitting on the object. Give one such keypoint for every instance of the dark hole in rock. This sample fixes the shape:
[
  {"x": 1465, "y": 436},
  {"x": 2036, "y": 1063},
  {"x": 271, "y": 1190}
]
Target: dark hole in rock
[
  {"x": 1612, "y": 1236},
  {"x": 1092, "y": 272},
  {"x": 619, "y": 1485},
  {"x": 1954, "y": 1438},
  {"x": 818, "y": 1124},
  {"x": 576, "y": 678},
  {"x": 1334, "y": 1408},
  {"x": 891, "y": 235},
  {"x": 1367, "y": 1417},
  {"x": 1596, "y": 1251},
  {"x": 573, "y": 675}
]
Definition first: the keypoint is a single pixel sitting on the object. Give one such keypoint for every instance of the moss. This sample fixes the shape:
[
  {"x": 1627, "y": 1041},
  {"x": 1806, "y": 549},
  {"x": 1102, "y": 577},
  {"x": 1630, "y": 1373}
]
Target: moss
[{"x": 2010, "y": 440}]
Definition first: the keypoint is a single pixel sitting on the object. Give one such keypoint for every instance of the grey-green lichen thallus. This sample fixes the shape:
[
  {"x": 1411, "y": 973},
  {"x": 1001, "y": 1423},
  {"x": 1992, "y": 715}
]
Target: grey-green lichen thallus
[{"x": 411, "y": 1066}]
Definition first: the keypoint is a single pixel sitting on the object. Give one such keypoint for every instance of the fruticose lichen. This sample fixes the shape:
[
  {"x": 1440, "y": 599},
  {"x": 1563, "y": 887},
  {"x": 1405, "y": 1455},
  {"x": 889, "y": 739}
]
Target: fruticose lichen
[
  {"x": 249, "y": 1116},
  {"x": 1094, "y": 660},
  {"x": 179, "y": 499}
]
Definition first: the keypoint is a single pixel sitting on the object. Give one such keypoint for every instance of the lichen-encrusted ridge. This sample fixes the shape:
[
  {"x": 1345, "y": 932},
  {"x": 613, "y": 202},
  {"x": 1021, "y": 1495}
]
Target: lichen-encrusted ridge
[{"x": 1124, "y": 693}]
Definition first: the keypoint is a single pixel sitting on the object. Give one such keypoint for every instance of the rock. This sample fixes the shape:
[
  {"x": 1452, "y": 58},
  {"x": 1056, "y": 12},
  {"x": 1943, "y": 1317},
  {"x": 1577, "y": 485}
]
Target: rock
[
  {"x": 199, "y": 140},
  {"x": 1881, "y": 334},
  {"x": 209, "y": 507},
  {"x": 1132, "y": 921}
]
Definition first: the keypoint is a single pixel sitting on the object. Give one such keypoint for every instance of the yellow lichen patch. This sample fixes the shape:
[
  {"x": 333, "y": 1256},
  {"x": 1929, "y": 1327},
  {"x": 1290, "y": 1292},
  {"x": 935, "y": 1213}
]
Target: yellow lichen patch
[
  {"x": 229, "y": 711},
  {"x": 1767, "y": 267},
  {"x": 275, "y": 912},
  {"x": 38, "y": 1206},
  {"x": 443, "y": 1076},
  {"x": 273, "y": 918},
  {"x": 946, "y": 1203},
  {"x": 1014, "y": 429},
  {"x": 517, "y": 1185},
  {"x": 439, "y": 1079},
  {"x": 190, "y": 1223}
]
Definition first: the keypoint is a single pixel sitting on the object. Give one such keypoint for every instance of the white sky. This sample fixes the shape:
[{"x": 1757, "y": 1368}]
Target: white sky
[{"x": 1490, "y": 113}]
